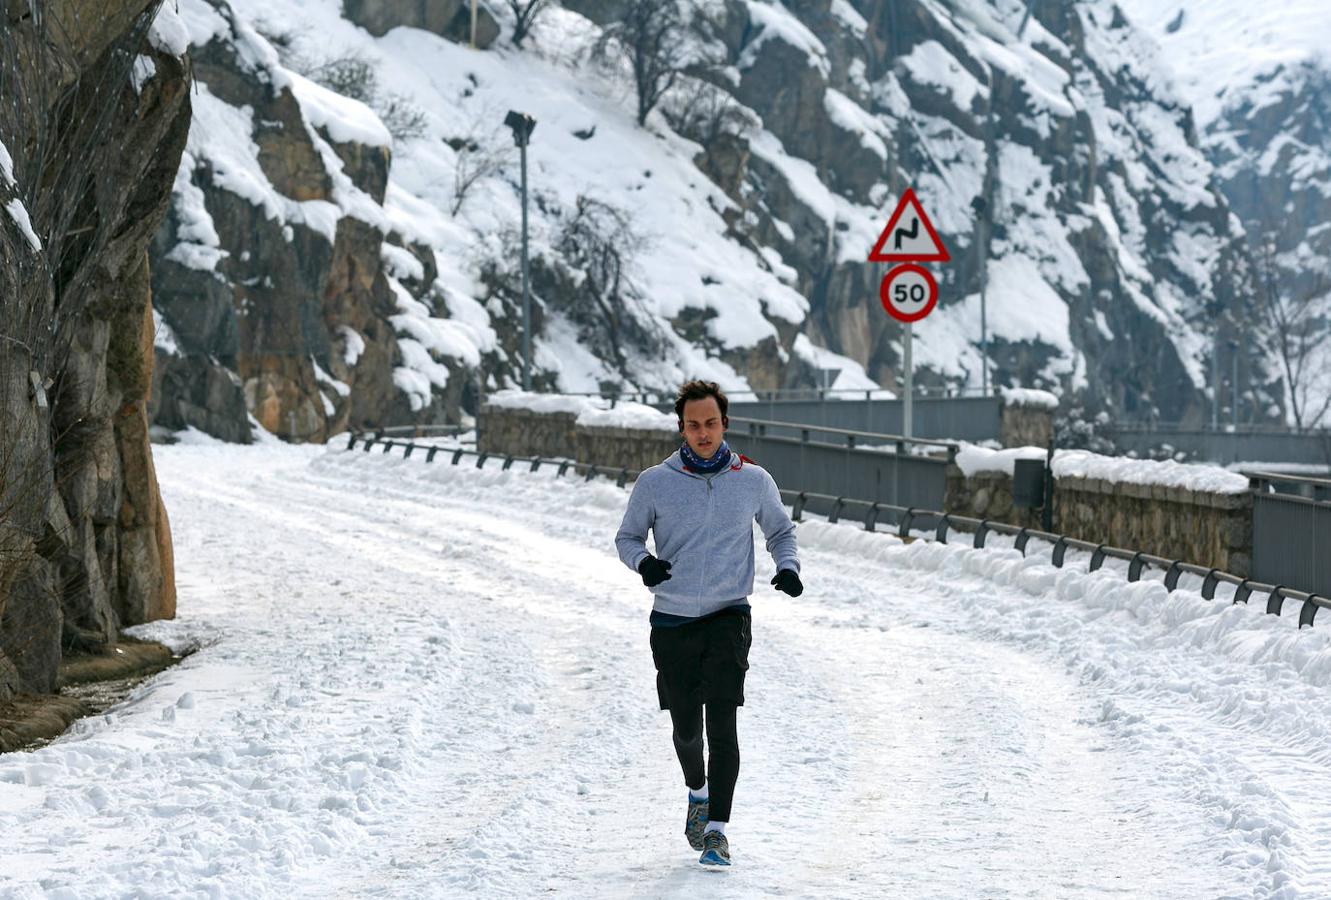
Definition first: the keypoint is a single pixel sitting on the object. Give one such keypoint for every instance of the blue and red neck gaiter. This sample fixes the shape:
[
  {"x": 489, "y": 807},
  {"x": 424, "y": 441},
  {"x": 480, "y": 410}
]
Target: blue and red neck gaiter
[{"x": 695, "y": 463}]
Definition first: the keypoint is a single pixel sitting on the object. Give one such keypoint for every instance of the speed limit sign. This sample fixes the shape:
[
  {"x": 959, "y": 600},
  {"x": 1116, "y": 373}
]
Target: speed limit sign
[{"x": 909, "y": 293}]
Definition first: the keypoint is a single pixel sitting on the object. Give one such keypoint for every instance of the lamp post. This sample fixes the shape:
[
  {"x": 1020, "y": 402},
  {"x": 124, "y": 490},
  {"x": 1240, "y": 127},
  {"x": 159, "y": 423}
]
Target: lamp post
[
  {"x": 981, "y": 208},
  {"x": 523, "y": 125}
]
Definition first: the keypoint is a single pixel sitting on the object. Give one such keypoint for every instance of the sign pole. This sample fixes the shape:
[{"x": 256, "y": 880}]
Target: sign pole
[{"x": 909, "y": 366}]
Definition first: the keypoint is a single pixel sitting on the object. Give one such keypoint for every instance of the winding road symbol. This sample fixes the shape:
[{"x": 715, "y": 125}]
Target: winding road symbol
[{"x": 910, "y": 242}]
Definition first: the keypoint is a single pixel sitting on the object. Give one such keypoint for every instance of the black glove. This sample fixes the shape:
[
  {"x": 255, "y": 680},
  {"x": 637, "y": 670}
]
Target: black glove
[
  {"x": 786, "y": 580},
  {"x": 653, "y": 571}
]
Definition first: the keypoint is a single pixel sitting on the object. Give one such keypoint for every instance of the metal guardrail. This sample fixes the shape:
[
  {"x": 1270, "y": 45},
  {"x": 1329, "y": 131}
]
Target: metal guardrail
[
  {"x": 667, "y": 397},
  {"x": 418, "y": 430},
  {"x": 1252, "y": 445},
  {"x": 1138, "y": 562}
]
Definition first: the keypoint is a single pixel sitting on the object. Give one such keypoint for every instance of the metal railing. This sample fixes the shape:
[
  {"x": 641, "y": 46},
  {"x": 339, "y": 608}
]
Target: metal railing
[
  {"x": 1138, "y": 562},
  {"x": 1291, "y": 533},
  {"x": 942, "y": 523},
  {"x": 1253, "y": 444}
]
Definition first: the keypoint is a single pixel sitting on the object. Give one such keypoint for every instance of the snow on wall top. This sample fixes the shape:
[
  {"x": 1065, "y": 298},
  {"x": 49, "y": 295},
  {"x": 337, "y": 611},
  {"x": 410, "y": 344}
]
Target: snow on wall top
[
  {"x": 546, "y": 403},
  {"x": 973, "y": 460},
  {"x": 1121, "y": 470},
  {"x": 1029, "y": 397},
  {"x": 629, "y": 415}
]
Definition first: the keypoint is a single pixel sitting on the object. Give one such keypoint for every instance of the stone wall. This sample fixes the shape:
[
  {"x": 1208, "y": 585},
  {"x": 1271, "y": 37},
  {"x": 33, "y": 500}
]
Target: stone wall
[
  {"x": 1025, "y": 426},
  {"x": 1209, "y": 529},
  {"x": 618, "y": 448},
  {"x": 515, "y": 431},
  {"x": 986, "y": 495},
  {"x": 503, "y": 430}
]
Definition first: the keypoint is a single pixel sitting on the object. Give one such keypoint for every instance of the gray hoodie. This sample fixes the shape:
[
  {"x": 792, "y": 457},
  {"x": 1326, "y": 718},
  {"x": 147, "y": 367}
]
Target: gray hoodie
[{"x": 703, "y": 527}]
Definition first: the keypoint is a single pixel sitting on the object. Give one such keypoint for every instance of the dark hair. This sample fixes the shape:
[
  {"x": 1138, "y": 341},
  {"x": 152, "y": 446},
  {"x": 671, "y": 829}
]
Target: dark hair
[{"x": 699, "y": 390}]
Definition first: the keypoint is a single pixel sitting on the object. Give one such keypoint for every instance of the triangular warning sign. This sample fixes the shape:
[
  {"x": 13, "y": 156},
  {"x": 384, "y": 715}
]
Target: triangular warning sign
[{"x": 909, "y": 235}]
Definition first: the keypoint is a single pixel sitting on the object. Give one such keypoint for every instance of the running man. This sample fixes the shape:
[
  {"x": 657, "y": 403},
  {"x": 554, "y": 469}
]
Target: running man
[{"x": 700, "y": 505}]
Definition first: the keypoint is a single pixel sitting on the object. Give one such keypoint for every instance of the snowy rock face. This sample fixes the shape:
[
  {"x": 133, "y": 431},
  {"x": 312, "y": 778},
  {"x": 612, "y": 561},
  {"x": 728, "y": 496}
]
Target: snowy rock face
[
  {"x": 1259, "y": 82},
  {"x": 95, "y": 116},
  {"x": 725, "y": 237},
  {"x": 277, "y": 275},
  {"x": 1110, "y": 254}
]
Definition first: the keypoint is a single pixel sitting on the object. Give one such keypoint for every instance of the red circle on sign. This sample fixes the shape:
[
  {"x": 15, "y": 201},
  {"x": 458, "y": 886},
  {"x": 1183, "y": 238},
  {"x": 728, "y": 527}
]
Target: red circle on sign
[{"x": 898, "y": 297}]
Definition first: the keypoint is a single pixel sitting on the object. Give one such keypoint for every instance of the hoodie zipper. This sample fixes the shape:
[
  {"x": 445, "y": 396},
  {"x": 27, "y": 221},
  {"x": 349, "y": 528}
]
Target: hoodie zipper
[{"x": 707, "y": 528}]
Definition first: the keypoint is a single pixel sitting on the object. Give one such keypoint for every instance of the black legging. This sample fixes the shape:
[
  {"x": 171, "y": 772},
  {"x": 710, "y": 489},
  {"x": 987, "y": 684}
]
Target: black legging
[{"x": 722, "y": 753}]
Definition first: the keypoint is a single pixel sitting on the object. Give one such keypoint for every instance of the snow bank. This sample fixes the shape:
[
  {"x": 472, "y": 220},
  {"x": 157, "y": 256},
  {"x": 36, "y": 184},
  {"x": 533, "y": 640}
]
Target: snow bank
[
  {"x": 629, "y": 415},
  {"x": 1084, "y": 464}
]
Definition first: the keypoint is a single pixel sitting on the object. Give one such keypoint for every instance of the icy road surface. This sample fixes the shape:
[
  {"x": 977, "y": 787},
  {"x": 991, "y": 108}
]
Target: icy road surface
[{"x": 423, "y": 681}]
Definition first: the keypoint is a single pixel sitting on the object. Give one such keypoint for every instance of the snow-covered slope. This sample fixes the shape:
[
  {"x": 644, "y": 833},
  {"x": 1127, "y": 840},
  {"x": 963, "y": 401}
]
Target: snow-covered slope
[
  {"x": 727, "y": 237},
  {"x": 1258, "y": 79}
]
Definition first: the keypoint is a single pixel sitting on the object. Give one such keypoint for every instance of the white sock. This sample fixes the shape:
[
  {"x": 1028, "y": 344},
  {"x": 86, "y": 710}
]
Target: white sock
[
  {"x": 699, "y": 794},
  {"x": 715, "y": 826}
]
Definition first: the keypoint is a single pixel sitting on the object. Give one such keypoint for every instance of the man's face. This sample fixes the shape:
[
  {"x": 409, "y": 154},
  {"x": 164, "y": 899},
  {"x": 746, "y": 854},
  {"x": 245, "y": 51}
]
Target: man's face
[{"x": 703, "y": 426}]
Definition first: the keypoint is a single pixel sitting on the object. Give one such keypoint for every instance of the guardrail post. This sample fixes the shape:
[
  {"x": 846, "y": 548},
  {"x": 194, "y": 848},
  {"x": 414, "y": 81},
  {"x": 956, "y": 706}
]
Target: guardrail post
[
  {"x": 563, "y": 467},
  {"x": 480, "y": 460},
  {"x": 388, "y": 445},
  {"x": 351, "y": 443},
  {"x": 1309, "y": 611},
  {"x": 457, "y": 457},
  {"x": 1172, "y": 575},
  {"x": 871, "y": 516},
  {"x": 903, "y": 527},
  {"x": 429, "y": 454},
  {"x": 508, "y": 464},
  {"x": 410, "y": 447},
  {"x": 369, "y": 442},
  {"x": 1243, "y": 592},
  {"x": 623, "y": 478},
  {"x": 1209, "y": 583},
  {"x": 1276, "y": 600},
  {"x": 835, "y": 514},
  {"x": 591, "y": 473},
  {"x": 535, "y": 464},
  {"x": 981, "y": 534},
  {"x": 940, "y": 533},
  {"x": 1135, "y": 566},
  {"x": 1060, "y": 550},
  {"x": 797, "y": 509},
  {"x": 1097, "y": 558},
  {"x": 1023, "y": 538}
]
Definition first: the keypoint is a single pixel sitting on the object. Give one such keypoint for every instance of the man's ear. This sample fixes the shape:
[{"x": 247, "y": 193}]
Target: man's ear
[{"x": 725, "y": 422}]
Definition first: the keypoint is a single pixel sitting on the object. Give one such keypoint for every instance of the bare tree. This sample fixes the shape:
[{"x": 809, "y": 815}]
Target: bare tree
[
  {"x": 1300, "y": 331},
  {"x": 704, "y": 113},
  {"x": 525, "y": 13},
  {"x": 651, "y": 35},
  {"x": 479, "y": 155},
  {"x": 599, "y": 242}
]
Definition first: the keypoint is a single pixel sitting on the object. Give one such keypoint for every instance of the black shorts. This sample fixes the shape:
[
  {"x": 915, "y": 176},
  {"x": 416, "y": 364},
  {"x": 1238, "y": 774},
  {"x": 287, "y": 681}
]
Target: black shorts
[{"x": 703, "y": 661}]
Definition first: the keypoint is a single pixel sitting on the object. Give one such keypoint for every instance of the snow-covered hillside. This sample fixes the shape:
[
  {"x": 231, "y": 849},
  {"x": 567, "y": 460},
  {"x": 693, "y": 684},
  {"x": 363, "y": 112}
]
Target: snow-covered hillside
[
  {"x": 725, "y": 238},
  {"x": 1258, "y": 79}
]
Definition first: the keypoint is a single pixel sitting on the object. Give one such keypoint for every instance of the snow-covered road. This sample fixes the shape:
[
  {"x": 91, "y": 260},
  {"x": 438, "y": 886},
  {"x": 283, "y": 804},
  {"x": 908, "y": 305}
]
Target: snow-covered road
[{"x": 420, "y": 680}]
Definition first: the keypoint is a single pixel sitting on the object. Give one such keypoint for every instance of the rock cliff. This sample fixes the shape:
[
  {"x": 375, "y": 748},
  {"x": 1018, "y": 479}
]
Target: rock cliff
[{"x": 96, "y": 115}]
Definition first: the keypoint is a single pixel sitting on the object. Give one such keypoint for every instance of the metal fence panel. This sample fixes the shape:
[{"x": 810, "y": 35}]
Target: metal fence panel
[
  {"x": 842, "y": 471},
  {"x": 956, "y": 418},
  {"x": 1291, "y": 539},
  {"x": 1225, "y": 448}
]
